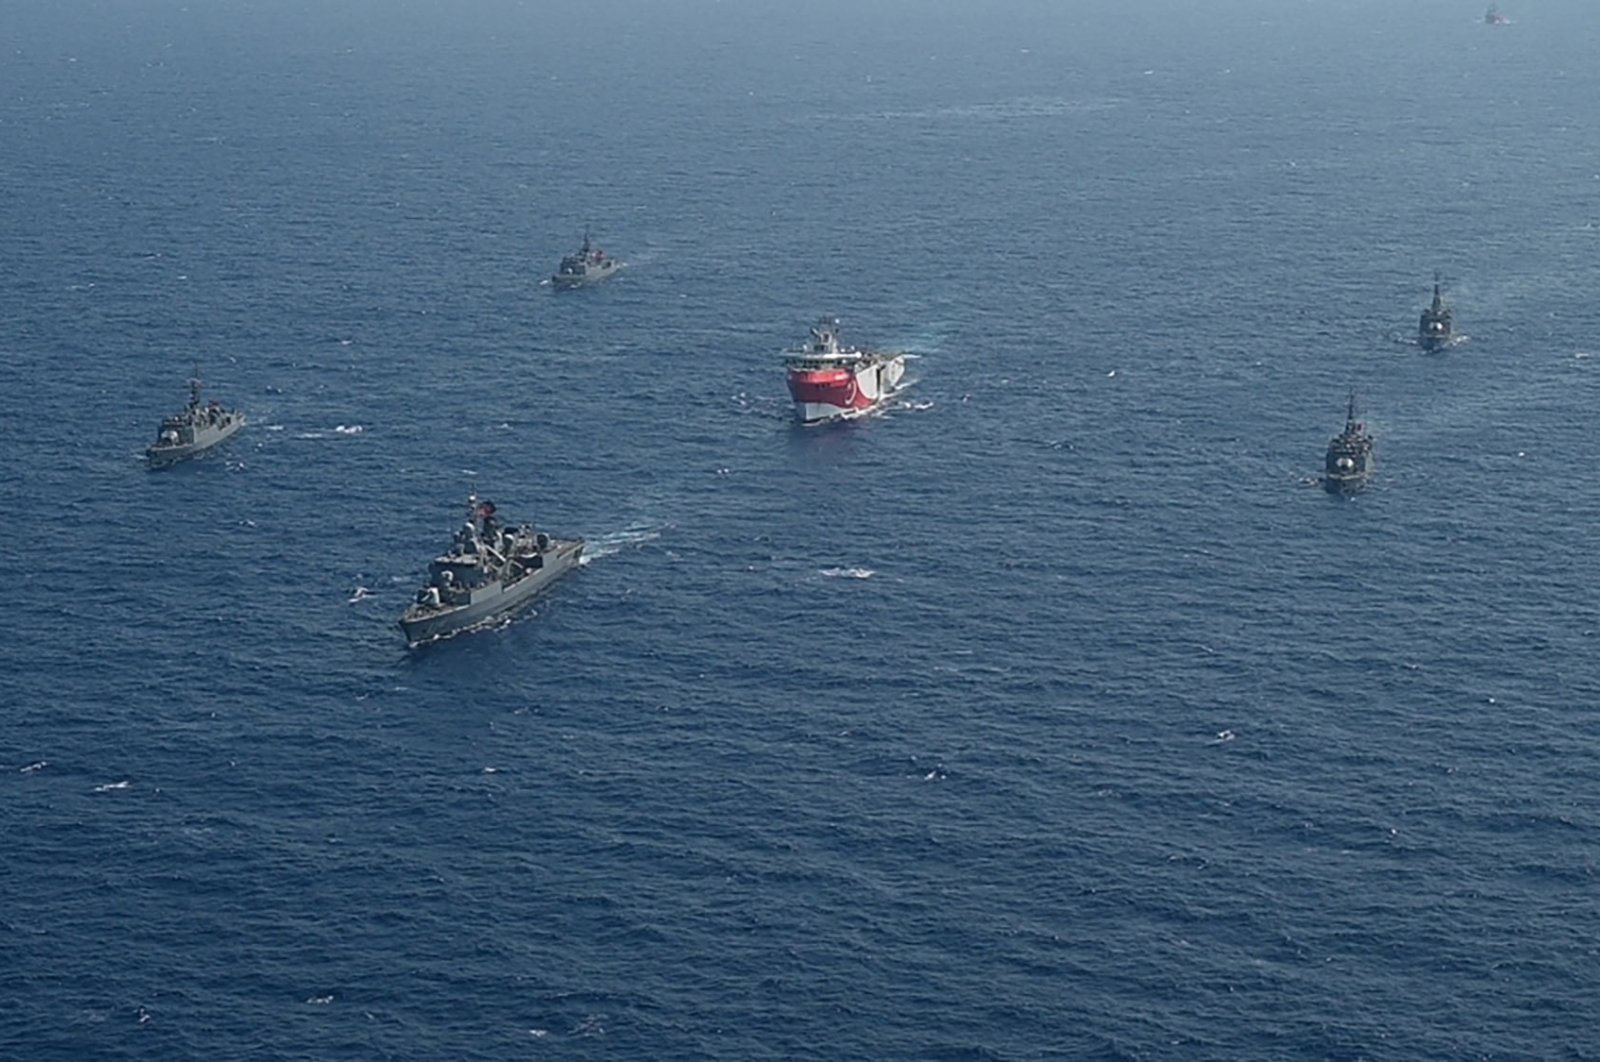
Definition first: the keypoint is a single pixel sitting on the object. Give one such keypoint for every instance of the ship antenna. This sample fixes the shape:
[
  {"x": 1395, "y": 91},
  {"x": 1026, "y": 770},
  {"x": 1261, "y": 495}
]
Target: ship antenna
[{"x": 194, "y": 388}]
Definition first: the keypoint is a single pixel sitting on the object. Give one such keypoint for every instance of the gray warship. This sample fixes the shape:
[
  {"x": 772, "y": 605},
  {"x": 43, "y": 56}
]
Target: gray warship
[
  {"x": 488, "y": 572},
  {"x": 1433, "y": 331},
  {"x": 587, "y": 265},
  {"x": 194, "y": 431},
  {"x": 1350, "y": 460}
]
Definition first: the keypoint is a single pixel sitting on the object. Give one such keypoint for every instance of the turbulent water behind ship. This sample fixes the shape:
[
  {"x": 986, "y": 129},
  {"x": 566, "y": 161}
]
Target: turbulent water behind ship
[{"x": 1058, "y": 712}]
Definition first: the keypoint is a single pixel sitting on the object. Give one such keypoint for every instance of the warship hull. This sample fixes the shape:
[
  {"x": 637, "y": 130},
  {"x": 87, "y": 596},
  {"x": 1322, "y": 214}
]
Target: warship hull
[
  {"x": 846, "y": 391},
  {"x": 1350, "y": 460},
  {"x": 422, "y": 624},
  {"x": 592, "y": 275},
  {"x": 1345, "y": 482},
  {"x": 1433, "y": 329},
  {"x": 160, "y": 456}
]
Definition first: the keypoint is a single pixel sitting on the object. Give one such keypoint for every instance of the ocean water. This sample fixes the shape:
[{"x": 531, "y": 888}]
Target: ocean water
[{"x": 1055, "y": 713}]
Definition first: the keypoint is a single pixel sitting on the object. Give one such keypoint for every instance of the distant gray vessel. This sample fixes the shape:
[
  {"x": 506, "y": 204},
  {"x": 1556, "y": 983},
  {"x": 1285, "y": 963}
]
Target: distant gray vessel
[
  {"x": 194, "y": 431},
  {"x": 489, "y": 571},
  {"x": 1434, "y": 330},
  {"x": 588, "y": 265},
  {"x": 1350, "y": 460}
]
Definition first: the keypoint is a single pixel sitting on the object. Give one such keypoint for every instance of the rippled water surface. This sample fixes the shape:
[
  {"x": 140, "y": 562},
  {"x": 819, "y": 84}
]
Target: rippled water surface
[{"x": 1056, "y": 713}]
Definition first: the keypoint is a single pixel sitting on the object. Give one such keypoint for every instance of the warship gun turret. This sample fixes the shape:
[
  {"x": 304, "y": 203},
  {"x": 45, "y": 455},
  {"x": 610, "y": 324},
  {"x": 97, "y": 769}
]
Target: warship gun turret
[
  {"x": 488, "y": 572},
  {"x": 1434, "y": 331},
  {"x": 587, "y": 265},
  {"x": 1350, "y": 461},
  {"x": 194, "y": 431}
]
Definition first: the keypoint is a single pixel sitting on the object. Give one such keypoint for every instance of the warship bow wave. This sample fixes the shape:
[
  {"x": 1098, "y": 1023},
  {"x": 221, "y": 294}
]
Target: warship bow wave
[
  {"x": 193, "y": 431},
  {"x": 829, "y": 381},
  {"x": 1350, "y": 460},
  {"x": 488, "y": 572},
  {"x": 587, "y": 265}
]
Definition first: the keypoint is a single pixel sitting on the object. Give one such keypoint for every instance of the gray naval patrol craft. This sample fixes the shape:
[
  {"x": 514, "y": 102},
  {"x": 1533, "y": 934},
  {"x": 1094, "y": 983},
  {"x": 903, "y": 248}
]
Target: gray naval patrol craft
[
  {"x": 1350, "y": 461},
  {"x": 194, "y": 431},
  {"x": 1434, "y": 331},
  {"x": 488, "y": 572},
  {"x": 587, "y": 265}
]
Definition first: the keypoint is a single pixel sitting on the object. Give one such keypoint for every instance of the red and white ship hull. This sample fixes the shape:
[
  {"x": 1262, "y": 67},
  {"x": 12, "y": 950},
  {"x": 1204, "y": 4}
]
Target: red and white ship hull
[
  {"x": 849, "y": 389},
  {"x": 830, "y": 381}
]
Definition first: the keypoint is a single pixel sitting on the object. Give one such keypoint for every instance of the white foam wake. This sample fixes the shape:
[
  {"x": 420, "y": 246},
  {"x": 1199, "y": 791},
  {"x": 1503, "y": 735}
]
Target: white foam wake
[
  {"x": 338, "y": 429},
  {"x": 617, "y": 541},
  {"x": 847, "y": 573}
]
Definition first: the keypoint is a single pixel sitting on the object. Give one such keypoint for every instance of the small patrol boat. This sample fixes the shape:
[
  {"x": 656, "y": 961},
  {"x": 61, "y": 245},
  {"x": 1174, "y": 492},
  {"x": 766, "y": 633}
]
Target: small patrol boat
[
  {"x": 194, "y": 431},
  {"x": 587, "y": 265},
  {"x": 1434, "y": 331},
  {"x": 488, "y": 572},
  {"x": 1349, "y": 462},
  {"x": 829, "y": 381},
  {"x": 1493, "y": 17}
]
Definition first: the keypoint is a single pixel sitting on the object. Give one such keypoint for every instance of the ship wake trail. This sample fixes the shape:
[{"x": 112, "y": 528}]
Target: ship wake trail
[
  {"x": 847, "y": 573},
  {"x": 617, "y": 541}
]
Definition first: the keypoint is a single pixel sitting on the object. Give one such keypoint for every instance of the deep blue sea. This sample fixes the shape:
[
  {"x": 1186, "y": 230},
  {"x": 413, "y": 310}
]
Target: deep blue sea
[{"x": 1056, "y": 713}]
